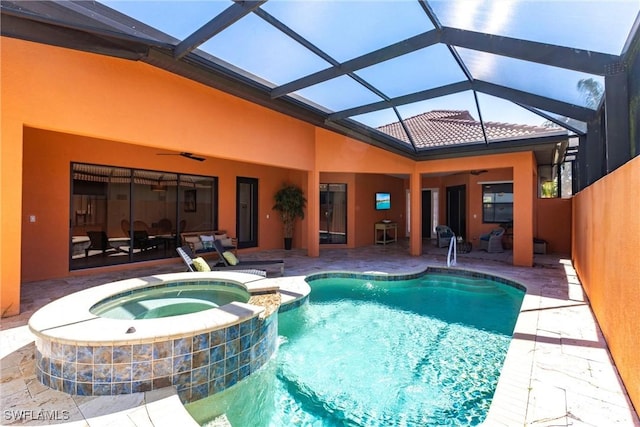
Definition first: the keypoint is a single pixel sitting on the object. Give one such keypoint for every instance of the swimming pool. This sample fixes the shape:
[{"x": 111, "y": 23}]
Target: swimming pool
[
  {"x": 166, "y": 301},
  {"x": 426, "y": 350}
]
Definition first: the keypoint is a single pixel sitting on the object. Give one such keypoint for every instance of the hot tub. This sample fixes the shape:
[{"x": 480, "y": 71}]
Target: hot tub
[
  {"x": 170, "y": 299},
  {"x": 88, "y": 344}
]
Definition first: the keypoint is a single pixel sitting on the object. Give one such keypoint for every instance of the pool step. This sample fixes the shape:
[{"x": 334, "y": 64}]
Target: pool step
[{"x": 465, "y": 284}]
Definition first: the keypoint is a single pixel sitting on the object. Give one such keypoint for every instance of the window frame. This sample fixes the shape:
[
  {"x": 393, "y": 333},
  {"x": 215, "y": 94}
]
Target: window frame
[{"x": 494, "y": 205}]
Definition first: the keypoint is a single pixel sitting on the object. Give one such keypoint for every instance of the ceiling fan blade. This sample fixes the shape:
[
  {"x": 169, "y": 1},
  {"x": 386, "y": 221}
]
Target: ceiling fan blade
[
  {"x": 184, "y": 154},
  {"x": 192, "y": 157}
]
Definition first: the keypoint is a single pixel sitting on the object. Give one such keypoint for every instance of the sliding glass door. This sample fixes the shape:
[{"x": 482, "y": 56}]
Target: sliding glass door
[
  {"x": 121, "y": 215},
  {"x": 333, "y": 213}
]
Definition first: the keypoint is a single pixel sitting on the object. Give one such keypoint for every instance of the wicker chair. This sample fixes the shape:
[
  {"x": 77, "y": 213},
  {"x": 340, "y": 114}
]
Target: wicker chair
[
  {"x": 492, "y": 242},
  {"x": 444, "y": 235}
]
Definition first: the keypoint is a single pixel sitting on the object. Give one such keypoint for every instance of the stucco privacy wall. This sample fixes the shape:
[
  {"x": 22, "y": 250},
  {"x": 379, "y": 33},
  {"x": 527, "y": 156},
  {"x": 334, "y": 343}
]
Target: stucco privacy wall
[{"x": 606, "y": 238}]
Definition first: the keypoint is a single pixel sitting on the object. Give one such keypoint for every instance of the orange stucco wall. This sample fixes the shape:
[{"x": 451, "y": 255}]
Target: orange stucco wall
[
  {"x": 47, "y": 159},
  {"x": 553, "y": 224},
  {"x": 60, "y": 106},
  {"x": 605, "y": 242}
]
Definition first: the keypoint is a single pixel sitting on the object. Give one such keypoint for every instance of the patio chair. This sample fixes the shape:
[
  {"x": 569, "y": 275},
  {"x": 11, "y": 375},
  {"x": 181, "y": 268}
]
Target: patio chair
[
  {"x": 198, "y": 264},
  {"x": 98, "y": 241},
  {"x": 444, "y": 235},
  {"x": 227, "y": 260},
  {"x": 492, "y": 242}
]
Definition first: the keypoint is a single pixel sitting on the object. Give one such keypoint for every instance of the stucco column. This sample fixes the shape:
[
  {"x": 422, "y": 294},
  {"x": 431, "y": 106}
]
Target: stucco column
[
  {"x": 415, "y": 191},
  {"x": 524, "y": 195},
  {"x": 10, "y": 215},
  {"x": 313, "y": 213}
]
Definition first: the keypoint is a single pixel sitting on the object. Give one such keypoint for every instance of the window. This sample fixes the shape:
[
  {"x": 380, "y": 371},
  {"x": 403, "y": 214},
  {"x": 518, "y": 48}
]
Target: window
[{"x": 497, "y": 203}]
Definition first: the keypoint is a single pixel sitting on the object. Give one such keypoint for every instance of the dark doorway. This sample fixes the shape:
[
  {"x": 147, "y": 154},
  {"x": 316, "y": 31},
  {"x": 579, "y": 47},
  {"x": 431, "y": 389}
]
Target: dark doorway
[
  {"x": 247, "y": 212},
  {"x": 333, "y": 213},
  {"x": 426, "y": 214},
  {"x": 457, "y": 209}
]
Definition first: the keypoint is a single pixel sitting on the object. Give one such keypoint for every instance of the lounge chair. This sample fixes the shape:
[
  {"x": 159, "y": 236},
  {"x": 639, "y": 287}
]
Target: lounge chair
[
  {"x": 274, "y": 267},
  {"x": 492, "y": 242},
  {"x": 192, "y": 263}
]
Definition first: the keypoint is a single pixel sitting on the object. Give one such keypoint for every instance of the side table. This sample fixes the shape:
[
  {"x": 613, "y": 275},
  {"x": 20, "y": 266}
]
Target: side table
[{"x": 463, "y": 247}]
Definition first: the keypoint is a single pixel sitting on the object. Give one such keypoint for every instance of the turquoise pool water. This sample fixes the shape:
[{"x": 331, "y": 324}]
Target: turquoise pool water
[
  {"x": 421, "y": 352},
  {"x": 168, "y": 300}
]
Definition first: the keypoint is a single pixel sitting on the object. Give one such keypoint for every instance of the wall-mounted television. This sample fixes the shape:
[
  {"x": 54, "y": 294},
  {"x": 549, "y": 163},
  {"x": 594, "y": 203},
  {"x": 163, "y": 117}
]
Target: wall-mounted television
[{"x": 383, "y": 201}]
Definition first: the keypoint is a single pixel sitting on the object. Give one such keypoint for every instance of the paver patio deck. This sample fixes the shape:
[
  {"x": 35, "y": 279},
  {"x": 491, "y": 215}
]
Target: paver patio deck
[{"x": 558, "y": 371}]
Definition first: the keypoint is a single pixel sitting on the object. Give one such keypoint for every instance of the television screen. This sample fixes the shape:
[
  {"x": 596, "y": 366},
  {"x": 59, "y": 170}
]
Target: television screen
[{"x": 383, "y": 201}]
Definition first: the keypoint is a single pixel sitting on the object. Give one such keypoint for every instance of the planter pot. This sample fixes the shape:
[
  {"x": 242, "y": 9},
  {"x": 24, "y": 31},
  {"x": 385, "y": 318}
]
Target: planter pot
[{"x": 287, "y": 243}]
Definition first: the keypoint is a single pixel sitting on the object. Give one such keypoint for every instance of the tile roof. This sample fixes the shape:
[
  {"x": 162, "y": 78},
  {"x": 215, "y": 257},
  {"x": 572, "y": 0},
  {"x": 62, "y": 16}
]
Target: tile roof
[{"x": 440, "y": 128}]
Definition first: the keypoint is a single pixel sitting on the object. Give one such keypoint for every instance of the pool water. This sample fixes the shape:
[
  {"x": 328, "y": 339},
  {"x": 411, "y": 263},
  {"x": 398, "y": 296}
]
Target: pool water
[
  {"x": 167, "y": 301},
  {"x": 422, "y": 352}
]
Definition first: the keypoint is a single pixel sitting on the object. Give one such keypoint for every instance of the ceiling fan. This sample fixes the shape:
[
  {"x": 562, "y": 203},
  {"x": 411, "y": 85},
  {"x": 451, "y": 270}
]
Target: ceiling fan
[
  {"x": 184, "y": 154},
  {"x": 478, "y": 172}
]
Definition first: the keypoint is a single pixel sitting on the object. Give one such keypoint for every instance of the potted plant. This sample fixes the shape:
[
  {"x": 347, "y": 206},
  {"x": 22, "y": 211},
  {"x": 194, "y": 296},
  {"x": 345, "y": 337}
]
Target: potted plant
[{"x": 290, "y": 203}]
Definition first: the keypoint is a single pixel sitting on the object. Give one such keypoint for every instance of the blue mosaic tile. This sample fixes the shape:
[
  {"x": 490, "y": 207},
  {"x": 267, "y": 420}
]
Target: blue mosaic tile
[
  {"x": 200, "y": 342},
  {"x": 45, "y": 365},
  {"x": 245, "y": 342},
  {"x": 231, "y": 364},
  {"x": 141, "y": 371},
  {"x": 231, "y": 379},
  {"x": 199, "y": 359},
  {"x": 161, "y": 382},
  {"x": 140, "y": 386},
  {"x": 200, "y": 376},
  {"x": 245, "y": 357},
  {"x": 122, "y": 354},
  {"x": 161, "y": 368},
  {"x": 182, "y": 363},
  {"x": 57, "y": 351},
  {"x": 182, "y": 380},
  {"x": 232, "y": 332},
  {"x": 85, "y": 355},
  {"x": 233, "y": 348},
  {"x": 102, "y": 389},
  {"x": 69, "y": 371},
  {"x": 84, "y": 373},
  {"x": 122, "y": 372},
  {"x": 244, "y": 372},
  {"x": 69, "y": 386},
  {"x": 142, "y": 352},
  {"x": 216, "y": 385},
  {"x": 69, "y": 353},
  {"x": 121, "y": 388},
  {"x": 103, "y": 355},
  {"x": 102, "y": 373},
  {"x": 216, "y": 337},
  {"x": 162, "y": 350},
  {"x": 199, "y": 392},
  {"x": 56, "y": 383},
  {"x": 84, "y": 389},
  {"x": 217, "y": 353},
  {"x": 245, "y": 328},
  {"x": 56, "y": 368},
  {"x": 216, "y": 370},
  {"x": 181, "y": 346}
]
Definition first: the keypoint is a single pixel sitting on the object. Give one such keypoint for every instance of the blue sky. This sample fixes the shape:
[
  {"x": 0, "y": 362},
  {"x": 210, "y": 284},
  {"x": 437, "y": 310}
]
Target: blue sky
[{"x": 347, "y": 29}]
